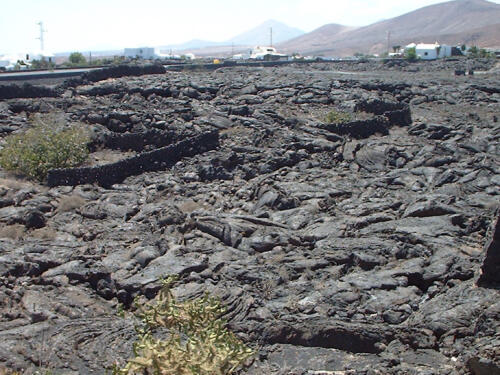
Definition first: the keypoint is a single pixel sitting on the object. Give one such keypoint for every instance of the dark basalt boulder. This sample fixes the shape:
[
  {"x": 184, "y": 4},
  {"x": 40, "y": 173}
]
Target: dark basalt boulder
[{"x": 34, "y": 219}]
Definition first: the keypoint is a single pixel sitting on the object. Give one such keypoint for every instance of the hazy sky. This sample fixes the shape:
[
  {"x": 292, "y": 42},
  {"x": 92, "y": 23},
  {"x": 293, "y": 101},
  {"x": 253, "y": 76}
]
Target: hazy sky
[{"x": 107, "y": 24}]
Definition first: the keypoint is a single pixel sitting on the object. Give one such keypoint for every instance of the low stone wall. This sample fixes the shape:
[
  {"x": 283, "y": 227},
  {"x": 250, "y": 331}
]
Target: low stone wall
[
  {"x": 26, "y": 91},
  {"x": 387, "y": 114},
  {"x": 160, "y": 159},
  {"x": 123, "y": 71},
  {"x": 399, "y": 117},
  {"x": 379, "y": 107},
  {"x": 361, "y": 128},
  {"x": 139, "y": 141}
]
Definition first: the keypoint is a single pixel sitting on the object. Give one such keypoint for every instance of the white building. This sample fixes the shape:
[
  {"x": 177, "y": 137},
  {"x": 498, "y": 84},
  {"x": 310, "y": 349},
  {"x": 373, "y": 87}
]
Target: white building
[
  {"x": 146, "y": 53},
  {"x": 169, "y": 56},
  {"x": 23, "y": 60},
  {"x": 41, "y": 55},
  {"x": 267, "y": 53},
  {"x": 430, "y": 51},
  {"x": 149, "y": 53},
  {"x": 9, "y": 62},
  {"x": 241, "y": 56}
]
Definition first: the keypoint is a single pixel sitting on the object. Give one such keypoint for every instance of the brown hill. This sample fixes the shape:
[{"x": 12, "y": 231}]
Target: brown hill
[
  {"x": 455, "y": 22},
  {"x": 315, "y": 39}
]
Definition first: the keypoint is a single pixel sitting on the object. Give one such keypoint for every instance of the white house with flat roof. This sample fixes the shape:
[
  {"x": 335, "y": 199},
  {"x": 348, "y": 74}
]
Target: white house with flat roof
[
  {"x": 10, "y": 61},
  {"x": 430, "y": 51},
  {"x": 146, "y": 53},
  {"x": 23, "y": 60},
  {"x": 149, "y": 53}
]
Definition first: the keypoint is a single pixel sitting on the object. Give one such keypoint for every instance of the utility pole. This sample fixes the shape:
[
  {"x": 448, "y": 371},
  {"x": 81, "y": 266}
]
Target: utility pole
[
  {"x": 271, "y": 36},
  {"x": 389, "y": 41},
  {"x": 41, "y": 35}
]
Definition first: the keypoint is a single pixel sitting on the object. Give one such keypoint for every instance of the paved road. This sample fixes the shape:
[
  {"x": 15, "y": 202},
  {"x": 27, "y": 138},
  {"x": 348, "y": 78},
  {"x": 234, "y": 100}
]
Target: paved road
[{"x": 21, "y": 76}]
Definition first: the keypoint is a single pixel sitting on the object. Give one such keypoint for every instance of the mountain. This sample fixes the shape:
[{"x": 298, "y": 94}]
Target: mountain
[
  {"x": 261, "y": 34},
  {"x": 258, "y": 35},
  {"x": 454, "y": 22},
  {"x": 192, "y": 44},
  {"x": 316, "y": 39}
]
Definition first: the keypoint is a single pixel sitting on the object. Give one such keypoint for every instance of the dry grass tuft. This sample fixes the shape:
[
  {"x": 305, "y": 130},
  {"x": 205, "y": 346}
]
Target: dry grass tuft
[
  {"x": 14, "y": 232},
  {"x": 7, "y": 371},
  {"x": 45, "y": 233},
  {"x": 71, "y": 202}
]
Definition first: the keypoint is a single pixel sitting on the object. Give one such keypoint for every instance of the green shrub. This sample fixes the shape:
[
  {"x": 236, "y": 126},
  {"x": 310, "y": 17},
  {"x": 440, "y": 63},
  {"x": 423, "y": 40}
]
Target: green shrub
[
  {"x": 42, "y": 64},
  {"x": 48, "y": 144},
  {"x": 337, "y": 117},
  {"x": 198, "y": 341},
  {"x": 484, "y": 53},
  {"x": 77, "y": 58},
  {"x": 411, "y": 54},
  {"x": 473, "y": 51}
]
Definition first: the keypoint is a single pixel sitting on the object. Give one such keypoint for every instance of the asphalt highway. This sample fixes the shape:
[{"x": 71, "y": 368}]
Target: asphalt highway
[{"x": 29, "y": 75}]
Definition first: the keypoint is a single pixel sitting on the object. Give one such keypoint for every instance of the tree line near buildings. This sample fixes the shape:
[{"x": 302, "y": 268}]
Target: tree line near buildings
[
  {"x": 75, "y": 59},
  {"x": 410, "y": 53},
  {"x": 473, "y": 51}
]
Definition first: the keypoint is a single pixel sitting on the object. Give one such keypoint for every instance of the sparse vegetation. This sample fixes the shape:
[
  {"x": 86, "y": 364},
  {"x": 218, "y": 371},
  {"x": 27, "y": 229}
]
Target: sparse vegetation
[
  {"x": 484, "y": 53},
  {"x": 477, "y": 52},
  {"x": 473, "y": 51},
  {"x": 14, "y": 231},
  {"x": 198, "y": 341},
  {"x": 48, "y": 144},
  {"x": 42, "y": 64},
  {"x": 337, "y": 117},
  {"x": 7, "y": 371},
  {"x": 71, "y": 202},
  {"x": 76, "y": 58},
  {"x": 411, "y": 54}
]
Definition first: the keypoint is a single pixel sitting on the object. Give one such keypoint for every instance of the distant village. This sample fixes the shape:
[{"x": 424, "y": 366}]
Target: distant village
[
  {"x": 417, "y": 51},
  {"x": 422, "y": 51}
]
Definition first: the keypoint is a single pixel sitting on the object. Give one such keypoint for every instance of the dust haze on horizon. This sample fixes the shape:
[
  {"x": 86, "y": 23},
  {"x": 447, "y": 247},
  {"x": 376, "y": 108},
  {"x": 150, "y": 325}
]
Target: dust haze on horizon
[{"x": 115, "y": 24}]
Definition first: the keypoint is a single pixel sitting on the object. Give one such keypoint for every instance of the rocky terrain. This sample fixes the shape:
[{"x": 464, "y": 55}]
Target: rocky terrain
[{"x": 339, "y": 249}]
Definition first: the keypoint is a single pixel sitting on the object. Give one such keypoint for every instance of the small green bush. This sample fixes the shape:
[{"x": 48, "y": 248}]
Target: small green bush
[
  {"x": 198, "y": 341},
  {"x": 77, "y": 58},
  {"x": 48, "y": 144},
  {"x": 411, "y": 54},
  {"x": 337, "y": 117}
]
